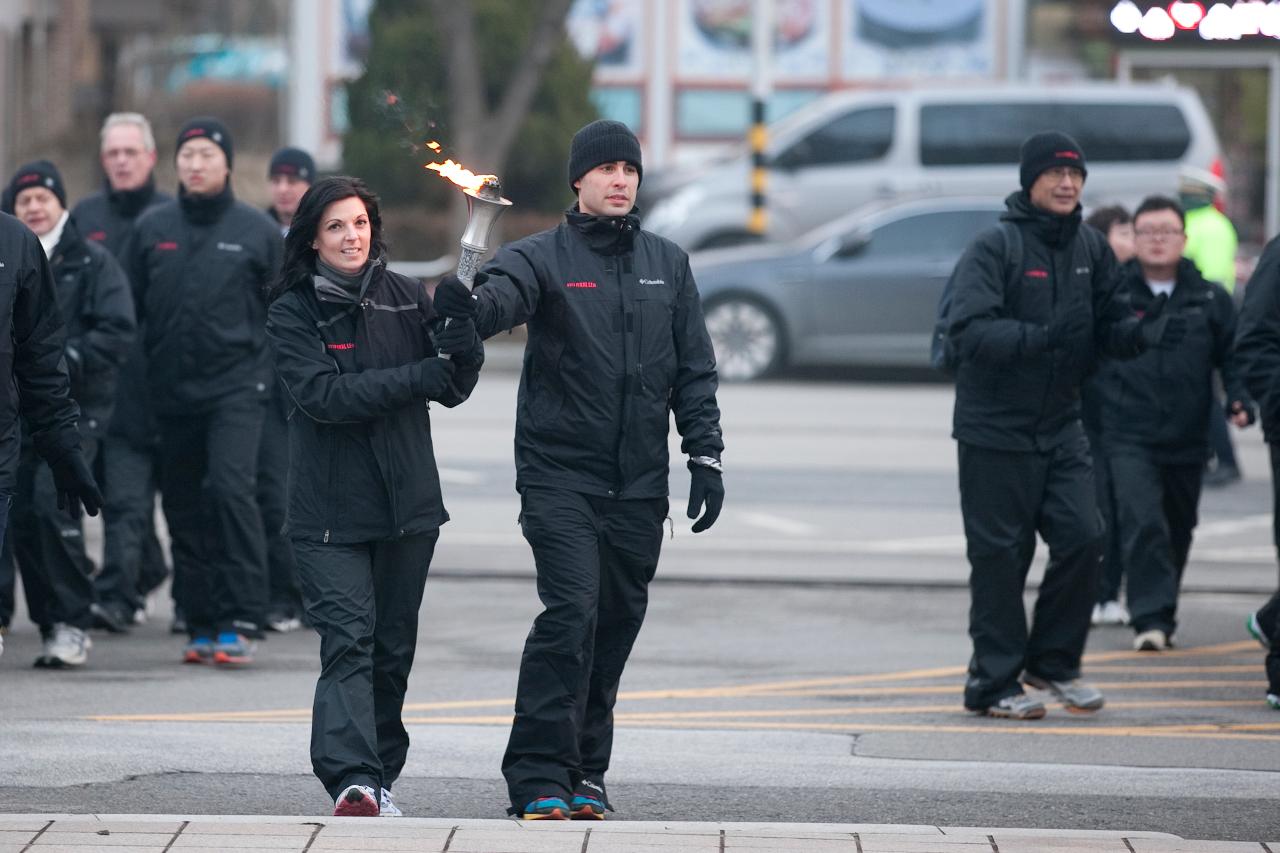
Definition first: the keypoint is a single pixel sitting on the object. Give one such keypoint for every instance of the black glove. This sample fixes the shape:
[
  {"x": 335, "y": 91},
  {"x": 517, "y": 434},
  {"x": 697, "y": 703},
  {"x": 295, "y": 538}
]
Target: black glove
[
  {"x": 457, "y": 337},
  {"x": 1069, "y": 329},
  {"x": 452, "y": 299},
  {"x": 706, "y": 486},
  {"x": 436, "y": 377},
  {"x": 1235, "y": 407},
  {"x": 1158, "y": 329},
  {"x": 74, "y": 484}
]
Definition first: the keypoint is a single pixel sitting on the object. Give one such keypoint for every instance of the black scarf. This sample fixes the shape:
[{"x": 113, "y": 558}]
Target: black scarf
[
  {"x": 205, "y": 209},
  {"x": 606, "y": 235},
  {"x": 129, "y": 203},
  {"x": 336, "y": 286}
]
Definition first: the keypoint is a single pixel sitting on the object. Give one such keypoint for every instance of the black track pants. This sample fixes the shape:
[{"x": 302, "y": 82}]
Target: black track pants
[
  {"x": 273, "y": 470},
  {"x": 1111, "y": 576},
  {"x": 133, "y": 562},
  {"x": 209, "y": 464},
  {"x": 595, "y": 558},
  {"x": 48, "y": 545},
  {"x": 1006, "y": 498},
  {"x": 1156, "y": 511},
  {"x": 363, "y": 600}
]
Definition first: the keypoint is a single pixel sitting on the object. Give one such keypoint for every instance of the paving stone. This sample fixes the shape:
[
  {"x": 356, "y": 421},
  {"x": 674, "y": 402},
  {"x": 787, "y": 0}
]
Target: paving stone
[
  {"x": 201, "y": 826},
  {"x": 1144, "y": 845},
  {"x": 567, "y": 840},
  {"x": 20, "y": 837},
  {"x": 210, "y": 841},
  {"x": 428, "y": 840},
  {"x": 34, "y": 824},
  {"x": 788, "y": 845},
  {"x": 147, "y": 827},
  {"x": 115, "y": 840},
  {"x": 94, "y": 848},
  {"x": 386, "y": 828},
  {"x": 624, "y": 846},
  {"x": 900, "y": 844},
  {"x": 1062, "y": 845}
]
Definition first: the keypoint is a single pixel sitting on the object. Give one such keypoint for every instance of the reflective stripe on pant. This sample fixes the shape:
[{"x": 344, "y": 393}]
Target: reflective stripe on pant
[
  {"x": 48, "y": 546},
  {"x": 1006, "y": 498},
  {"x": 209, "y": 464},
  {"x": 1156, "y": 511},
  {"x": 595, "y": 558},
  {"x": 363, "y": 600}
]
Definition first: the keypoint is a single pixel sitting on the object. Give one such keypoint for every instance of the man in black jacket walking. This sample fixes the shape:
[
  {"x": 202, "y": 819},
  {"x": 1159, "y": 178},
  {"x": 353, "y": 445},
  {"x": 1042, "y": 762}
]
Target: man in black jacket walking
[
  {"x": 37, "y": 387},
  {"x": 1155, "y": 442},
  {"x": 94, "y": 300},
  {"x": 617, "y": 343},
  {"x": 199, "y": 267},
  {"x": 1258, "y": 354},
  {"x": 1026, "y": 337},
  {"x": 133, "y": 563}
]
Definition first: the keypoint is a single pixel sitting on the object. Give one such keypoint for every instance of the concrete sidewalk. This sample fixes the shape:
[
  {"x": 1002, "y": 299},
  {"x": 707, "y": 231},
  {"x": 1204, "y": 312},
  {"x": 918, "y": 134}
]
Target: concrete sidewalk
[{"x": 160, "y": 833}]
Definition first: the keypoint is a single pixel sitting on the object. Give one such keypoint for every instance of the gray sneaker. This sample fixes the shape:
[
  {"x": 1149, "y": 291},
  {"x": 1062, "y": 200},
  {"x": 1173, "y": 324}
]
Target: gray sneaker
[
  {"x": 1078, "y": 697},
  {"x": 67, "y": 646},
  {"x": 1019, "y": 706}
]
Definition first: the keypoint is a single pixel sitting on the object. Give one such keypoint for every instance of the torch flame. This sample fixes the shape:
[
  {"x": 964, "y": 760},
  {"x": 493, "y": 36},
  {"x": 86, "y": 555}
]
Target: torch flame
[{"x": 464, "y": 178}]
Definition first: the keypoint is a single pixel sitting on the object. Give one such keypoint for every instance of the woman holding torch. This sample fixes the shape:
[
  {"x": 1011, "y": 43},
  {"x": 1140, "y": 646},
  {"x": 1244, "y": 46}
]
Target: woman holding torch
[{"x": 360, "y": 368}]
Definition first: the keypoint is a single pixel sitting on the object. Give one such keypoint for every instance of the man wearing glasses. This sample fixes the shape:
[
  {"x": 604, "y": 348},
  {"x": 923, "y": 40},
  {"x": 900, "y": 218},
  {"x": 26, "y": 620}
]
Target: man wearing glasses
[
  {"x": 1026, "y": 334},
  {"x": 1157, "y": 439}
]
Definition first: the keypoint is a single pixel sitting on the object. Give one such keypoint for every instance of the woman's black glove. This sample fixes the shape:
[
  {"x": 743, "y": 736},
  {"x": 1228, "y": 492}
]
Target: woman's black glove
[
  {"x": 436, "y": 377},
  {"x": 453, "y": 299},
  {"x": 706, "y": 487},
  {"x": 75, "y": 485},
  {"x": 457, "y": 337}
]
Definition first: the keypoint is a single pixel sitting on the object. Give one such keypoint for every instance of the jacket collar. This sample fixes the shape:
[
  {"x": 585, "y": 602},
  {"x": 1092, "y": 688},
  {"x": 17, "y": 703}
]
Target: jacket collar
[
  {"x": 605, "y": 235},
  {"x": 1053, "y": 229}
]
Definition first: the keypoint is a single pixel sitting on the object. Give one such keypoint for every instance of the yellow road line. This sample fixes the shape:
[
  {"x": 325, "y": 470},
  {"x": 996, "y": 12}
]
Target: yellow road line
[{"x": 1155, "y": 670}]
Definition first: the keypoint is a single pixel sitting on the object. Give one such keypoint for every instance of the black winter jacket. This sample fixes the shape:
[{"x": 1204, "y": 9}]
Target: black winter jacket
[
  {"x": 108, "y": 218},
  {"x": 1012, "y": 391},
  {"x": 617, "y": 343},
  {"x": 1157, "y": 401},
  {"x": 36, "y": 384},
  {"x": 361, "y": 463},
  {"x": 97, "y": 308},
  {"x": 1258, "y": 338},
  {"x": 199, "y": 268}
]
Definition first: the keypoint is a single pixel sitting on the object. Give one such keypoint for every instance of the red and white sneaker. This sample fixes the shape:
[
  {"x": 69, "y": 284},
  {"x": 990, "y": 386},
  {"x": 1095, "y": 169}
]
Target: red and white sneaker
[{"x": 356, "y": 801}]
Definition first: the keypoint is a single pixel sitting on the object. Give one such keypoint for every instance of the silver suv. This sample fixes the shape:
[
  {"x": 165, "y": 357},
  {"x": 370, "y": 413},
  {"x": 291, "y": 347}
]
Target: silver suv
[{"x": 850, "y": 148}]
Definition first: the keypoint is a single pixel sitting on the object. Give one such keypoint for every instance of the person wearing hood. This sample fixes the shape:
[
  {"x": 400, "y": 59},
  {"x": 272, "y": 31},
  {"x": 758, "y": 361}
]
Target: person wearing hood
[
  {"x": 93, "y": 296},
  {"x": 359, "y": 362},
  {"x": 617, "y": 344},
  {"x": 200, "y": 267},
  {"x": 1156, "y": 440},
  {"x": 1026, "y": 337},
  {"x": 133, "y": 562}
]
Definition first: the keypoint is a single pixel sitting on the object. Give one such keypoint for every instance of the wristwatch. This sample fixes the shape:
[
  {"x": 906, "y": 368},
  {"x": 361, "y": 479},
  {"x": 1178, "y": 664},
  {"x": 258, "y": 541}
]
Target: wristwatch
[{"x": 707, "y": 462}]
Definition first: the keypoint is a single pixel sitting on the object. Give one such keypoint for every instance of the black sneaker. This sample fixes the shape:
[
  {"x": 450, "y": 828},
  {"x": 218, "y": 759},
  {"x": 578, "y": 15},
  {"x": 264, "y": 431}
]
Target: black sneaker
[{"x": 110, "y": 618}]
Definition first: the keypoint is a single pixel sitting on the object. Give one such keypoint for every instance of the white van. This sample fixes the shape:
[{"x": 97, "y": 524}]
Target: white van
[{"x": 852, "y": 147}]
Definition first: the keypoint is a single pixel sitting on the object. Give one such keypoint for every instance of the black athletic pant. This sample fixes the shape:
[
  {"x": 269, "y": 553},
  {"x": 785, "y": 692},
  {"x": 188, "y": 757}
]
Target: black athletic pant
[
  {"x": 273, "y": 471},
  {"x": 8, "y": 581},
  {"x": 209, "y": 464},
  {"x": 48, "y": 546},
  {"x": 1111, "y": 576},
  {"x": 364, "y": 600},
  {"x": 1006, "y": 497},
  {"x": 1219, "y": 436},
  {"x": 1156, "y": 507},
  {"x": 595, "y": 558},
  {"x": 132, "y": 559}
]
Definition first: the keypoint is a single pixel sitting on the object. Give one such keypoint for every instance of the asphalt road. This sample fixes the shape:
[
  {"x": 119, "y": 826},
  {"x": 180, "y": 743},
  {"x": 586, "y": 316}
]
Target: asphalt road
[{"x": 801, "y": 661}]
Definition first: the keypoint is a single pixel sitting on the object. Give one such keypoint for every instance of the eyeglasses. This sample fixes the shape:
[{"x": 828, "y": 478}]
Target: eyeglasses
[
  {"x": 1157, "y": 233},
  {"x": 1057, "y": 173}
]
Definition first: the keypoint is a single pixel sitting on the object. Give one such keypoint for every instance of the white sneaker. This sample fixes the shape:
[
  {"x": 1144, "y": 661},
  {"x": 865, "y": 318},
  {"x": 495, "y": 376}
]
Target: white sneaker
[
  {"x": 1110, "y": 613},
  {"x": 1, "y": 644},
  {"x": 1154, "y": 640},
  {"x": 356, "y": 801},
  {"x": 387, "y": 807},
  {"x": 68, "y": 646}
]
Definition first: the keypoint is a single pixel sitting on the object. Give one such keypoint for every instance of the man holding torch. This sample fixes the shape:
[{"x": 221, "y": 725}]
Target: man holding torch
[{"x": 616, "y": 343}]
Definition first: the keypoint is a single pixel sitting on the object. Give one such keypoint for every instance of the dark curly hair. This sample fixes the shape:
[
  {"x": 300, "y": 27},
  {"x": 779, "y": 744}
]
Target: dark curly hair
[{"x": 299, "y": 258}]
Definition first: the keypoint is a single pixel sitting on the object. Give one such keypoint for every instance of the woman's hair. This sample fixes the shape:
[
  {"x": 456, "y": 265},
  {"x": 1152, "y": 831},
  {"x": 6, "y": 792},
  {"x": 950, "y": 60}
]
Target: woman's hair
[{"x": 299, "y": 258}]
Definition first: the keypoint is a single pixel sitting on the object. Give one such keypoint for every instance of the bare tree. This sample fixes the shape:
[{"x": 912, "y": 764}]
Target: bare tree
[{"x": 485, "y": 132}]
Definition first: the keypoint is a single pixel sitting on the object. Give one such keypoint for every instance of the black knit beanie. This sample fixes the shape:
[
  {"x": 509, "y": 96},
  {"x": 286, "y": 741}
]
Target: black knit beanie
[
  {"x": 40, "y": 173},
  {"x": 1047, "y": 149},
  {"x": 294, "y": 162},
  {"x": 602, "y": 141},
  {"x": 206, "y": 127}
]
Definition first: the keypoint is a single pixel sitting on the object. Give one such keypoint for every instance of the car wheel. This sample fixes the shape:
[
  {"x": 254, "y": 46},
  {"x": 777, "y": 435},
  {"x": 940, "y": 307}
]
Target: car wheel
[{"x": 747, "y": 338}]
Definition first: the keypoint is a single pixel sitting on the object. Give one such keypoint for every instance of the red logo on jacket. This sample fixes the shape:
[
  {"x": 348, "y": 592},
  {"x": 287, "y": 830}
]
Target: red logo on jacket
[
  {"x": 1037, "y": 273},
  {"x": 167, "y": 246},
  {"x": 97, "y": 236},
  {"x": 588, "y": 285},
  {"x": 341, "y": 346}
]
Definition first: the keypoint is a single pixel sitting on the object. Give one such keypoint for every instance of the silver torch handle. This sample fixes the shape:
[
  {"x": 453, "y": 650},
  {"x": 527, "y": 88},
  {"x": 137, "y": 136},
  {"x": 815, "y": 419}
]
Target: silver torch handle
[{"x": 485, "y": 205}]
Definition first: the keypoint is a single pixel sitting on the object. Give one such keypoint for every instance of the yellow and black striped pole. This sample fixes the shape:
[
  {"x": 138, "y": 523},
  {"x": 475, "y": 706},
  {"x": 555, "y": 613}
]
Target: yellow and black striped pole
[{"x": 762, "y": 48}]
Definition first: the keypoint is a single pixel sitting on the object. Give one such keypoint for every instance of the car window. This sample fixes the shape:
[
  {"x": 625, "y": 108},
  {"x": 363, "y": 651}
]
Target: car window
[
  {"x": 856, "y": 136},
  {"x": 969, "y": 134},
  {"x": 940, "y": 234}
]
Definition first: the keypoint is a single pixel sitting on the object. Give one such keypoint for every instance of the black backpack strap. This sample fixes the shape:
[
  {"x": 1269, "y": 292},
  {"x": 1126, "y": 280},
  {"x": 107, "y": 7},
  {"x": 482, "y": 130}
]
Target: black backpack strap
[{"x": 1012, "y": 252}]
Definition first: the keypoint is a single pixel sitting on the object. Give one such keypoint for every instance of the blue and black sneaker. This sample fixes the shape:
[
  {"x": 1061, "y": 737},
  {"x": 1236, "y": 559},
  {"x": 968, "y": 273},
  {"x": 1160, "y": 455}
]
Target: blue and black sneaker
[
  {"x": 199, "y": 650},
  {"x": 546, "y": 808},
  {"x": 589, "y": 801}
]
